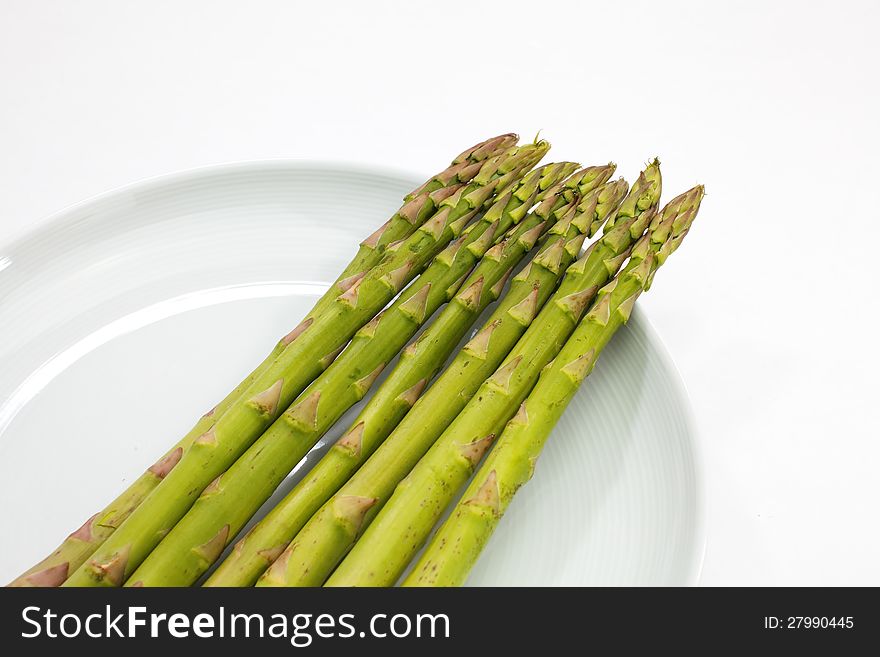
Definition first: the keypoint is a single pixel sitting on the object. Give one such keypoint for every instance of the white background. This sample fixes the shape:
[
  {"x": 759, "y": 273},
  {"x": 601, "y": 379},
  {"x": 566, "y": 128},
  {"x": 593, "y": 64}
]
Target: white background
[{"x": 769, "y": 311}]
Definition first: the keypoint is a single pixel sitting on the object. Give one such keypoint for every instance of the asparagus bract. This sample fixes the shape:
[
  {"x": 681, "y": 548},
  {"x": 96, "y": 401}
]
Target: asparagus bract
[
  {"x": 325, "y": 539},
  {"x": 419, "y": 362},
  {"x": 311, "y": 350},
  {"x": 398, "y": 531},
  {"x": 227, "y": 504},
  {"x": 456, "y": 546},
  {"x": 78, "y": 546}
]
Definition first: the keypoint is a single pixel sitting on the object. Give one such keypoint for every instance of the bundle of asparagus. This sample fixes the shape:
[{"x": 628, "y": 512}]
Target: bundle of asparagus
[
  {"x": 418, "y": 207},
  {"x": 456, "y": 546},
  {"x": 419, "y": 362},
  {"x": 224, "y": 506},
  {"x": 361, "y": 513},
  {"x": 376, "y": 559},
  {"x": 330, "y": 533}
]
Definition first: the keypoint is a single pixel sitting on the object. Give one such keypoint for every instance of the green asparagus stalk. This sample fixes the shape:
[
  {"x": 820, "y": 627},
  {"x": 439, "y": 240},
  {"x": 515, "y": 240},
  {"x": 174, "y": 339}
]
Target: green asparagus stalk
[
  {"x": 329, "y": 534},
  {"x": 313, "y": 348},
  {"x": 79, "y": 545},
  {"x": 227, "y": 504},
  {"x": 456, "y": 546},
  {"x": 419, "y": 362},
  {"x": 386, "y": 547}
]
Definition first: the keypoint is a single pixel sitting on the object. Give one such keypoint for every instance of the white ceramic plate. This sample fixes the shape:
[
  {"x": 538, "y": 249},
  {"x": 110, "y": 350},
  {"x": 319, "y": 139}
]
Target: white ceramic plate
[{"x": 124, "y": 318}]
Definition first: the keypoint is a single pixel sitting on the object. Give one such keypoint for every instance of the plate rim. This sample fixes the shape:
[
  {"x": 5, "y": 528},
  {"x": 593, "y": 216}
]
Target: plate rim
[
  {"x": 33, "y": 236},
  {"x": 690, "y": 420}
]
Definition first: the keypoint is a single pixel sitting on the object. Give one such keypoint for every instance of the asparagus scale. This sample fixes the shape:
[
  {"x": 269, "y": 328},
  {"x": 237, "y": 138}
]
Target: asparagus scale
[{"x": 458, "y": 543}]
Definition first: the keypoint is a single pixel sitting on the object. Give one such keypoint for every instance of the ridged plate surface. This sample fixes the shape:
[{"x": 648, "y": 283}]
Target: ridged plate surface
[{"x": 126, "y": 317}]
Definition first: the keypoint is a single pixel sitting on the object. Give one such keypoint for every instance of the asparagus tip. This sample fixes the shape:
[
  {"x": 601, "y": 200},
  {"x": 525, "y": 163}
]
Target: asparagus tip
[
  {"x": 487, "y": 147},
  {"x": 645, "y": 193}
]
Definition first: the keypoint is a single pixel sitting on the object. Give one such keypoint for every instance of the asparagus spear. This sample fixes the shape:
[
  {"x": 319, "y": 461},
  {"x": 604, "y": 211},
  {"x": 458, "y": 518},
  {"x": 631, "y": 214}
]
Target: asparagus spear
[
  {"x": 229, "y": 502},
  {"x": 313, "y": 349},
  {"x": 79, "y": 545},
  {"x": 329, "y": 534},
  {"x": 397, "y": 532},
  {"x": 456, "y": 546},
  {"x": 394, "y": 398}
]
